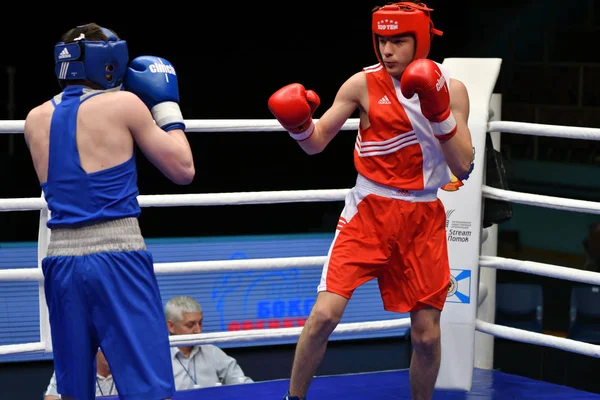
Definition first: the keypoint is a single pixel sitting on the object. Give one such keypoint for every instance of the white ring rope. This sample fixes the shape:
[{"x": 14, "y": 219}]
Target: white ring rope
[
  {"x": 22, "y": 348},
  {"x": 202, "y": 199},
  {"x": 205, "y": 125},
  {"x": 13, "y": 126},
  {"x": 283, "y": 333},
  {"x": 22, "y": 204},
  {"x": 541, "y": 339},
  {"x": 541, "y": 269},
  {"x": 292, "y": 196},
  {"x": 557, "y": 203},
  {"x": 272, "y": 125},
  {"x": 525, "y": 128},
  {"x": 236, "y": 337},
  {"x": 261, "y": 264},
  {"x": 247, "y": 125},
  {"x": 264, "y": 264}
]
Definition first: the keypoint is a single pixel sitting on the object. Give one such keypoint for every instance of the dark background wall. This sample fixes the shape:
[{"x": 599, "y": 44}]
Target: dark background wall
[{"x": 231, "y": 56}]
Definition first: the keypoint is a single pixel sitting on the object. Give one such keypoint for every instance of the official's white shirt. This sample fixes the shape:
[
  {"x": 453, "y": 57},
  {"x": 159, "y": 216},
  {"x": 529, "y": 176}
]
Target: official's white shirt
[
  {"x": 206, "y": 366},
  {"x": 104, "y": 386}
]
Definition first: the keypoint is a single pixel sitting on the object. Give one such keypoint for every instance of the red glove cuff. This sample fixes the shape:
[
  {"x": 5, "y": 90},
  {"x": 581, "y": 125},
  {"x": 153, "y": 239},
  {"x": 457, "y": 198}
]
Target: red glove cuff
[
  {"x": 300, "y": 136},
  {"x": 445, "y": 129}
]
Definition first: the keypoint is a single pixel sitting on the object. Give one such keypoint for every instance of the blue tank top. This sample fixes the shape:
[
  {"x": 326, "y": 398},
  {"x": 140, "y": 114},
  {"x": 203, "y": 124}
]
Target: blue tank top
[{"x": 75, "y": 197}]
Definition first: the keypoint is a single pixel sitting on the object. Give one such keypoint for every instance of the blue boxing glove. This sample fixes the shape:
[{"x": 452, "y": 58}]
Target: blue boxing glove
[{"x": 154, "y": 81}]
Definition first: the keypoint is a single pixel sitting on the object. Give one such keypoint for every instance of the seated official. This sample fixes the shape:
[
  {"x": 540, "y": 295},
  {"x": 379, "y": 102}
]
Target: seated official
[
  {"x": 198, "y": 366},
  {"x": 105, "y": 385}
]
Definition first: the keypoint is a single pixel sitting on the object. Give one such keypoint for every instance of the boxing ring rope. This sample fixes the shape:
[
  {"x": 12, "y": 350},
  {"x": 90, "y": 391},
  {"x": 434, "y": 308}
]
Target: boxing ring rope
[
  {"x": 532, "y": 129},
  {"x": 296, "y": 196},
  {"x": 212, "y": 199},
  {"x": 541, "y": 269},
  {"x": 557, "y": 203},
  {"x": 523, "y": 336},
  {"x": 202, "y": 199}
]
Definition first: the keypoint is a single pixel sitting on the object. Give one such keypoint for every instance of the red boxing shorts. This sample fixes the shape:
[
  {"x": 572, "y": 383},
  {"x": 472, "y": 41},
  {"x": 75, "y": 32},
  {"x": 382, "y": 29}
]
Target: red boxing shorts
[{"x": 396, "y": 236}]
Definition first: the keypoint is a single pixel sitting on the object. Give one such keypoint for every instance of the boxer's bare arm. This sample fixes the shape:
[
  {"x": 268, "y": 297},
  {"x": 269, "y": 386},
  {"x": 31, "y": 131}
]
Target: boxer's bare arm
[
  {"x": 458, "y": 151},
  {"x": 346, "y": 101},
  {"x": 37, "y": 138},
  {"x": 168, "y": 151}
]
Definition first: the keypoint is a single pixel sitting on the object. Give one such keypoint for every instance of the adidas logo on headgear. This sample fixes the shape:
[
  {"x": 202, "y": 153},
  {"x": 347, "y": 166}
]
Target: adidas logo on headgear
[{"x": 64, "y": 54}]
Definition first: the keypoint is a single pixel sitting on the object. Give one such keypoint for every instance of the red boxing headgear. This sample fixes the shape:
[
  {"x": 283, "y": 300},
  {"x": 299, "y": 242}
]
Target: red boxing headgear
[{"x": 402, "y": 18}]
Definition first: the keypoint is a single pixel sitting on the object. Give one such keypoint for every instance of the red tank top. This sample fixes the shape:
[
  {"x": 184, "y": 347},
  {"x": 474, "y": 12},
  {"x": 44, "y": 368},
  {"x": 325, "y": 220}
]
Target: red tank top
[{"x": 399, "y": 148}]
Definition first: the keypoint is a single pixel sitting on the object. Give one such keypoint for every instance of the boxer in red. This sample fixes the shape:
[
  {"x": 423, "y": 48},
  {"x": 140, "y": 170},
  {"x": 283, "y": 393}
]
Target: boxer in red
[{"x": 413, "y": 136}]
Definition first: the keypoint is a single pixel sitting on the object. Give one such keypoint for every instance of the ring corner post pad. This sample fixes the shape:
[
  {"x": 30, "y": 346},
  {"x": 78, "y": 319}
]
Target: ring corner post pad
[{"x": 464, "y": 210}]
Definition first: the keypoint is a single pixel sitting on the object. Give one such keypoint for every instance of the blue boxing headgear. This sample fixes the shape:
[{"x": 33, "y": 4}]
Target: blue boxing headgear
[{"x": 103, "y": 63}]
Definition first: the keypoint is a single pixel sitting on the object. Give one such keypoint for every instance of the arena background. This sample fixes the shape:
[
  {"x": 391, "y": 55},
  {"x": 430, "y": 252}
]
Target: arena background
[{"x": 231, "y": 56}]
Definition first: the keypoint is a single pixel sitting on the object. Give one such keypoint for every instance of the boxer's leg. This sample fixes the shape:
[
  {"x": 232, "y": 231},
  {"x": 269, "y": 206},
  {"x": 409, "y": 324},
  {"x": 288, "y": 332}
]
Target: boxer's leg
[
  {"x": 74, "y": 343},
  {"x": 427, "y": 352},
  {"x": 417, "y": 281},
  {"x": 359, "y": 252},
  {"x": 131, "y": 326},
  {"x": 324, "y": 317}
]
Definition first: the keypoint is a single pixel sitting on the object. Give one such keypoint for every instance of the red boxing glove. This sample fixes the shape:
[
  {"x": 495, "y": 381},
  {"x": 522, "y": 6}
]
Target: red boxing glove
[
  {"x": 424, "y": 78},
  {"x": 293, "y": 106}
]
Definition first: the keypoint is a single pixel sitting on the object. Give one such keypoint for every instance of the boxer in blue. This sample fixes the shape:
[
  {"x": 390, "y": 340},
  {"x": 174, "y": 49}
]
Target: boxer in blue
[{"x": 100, "y": 285}]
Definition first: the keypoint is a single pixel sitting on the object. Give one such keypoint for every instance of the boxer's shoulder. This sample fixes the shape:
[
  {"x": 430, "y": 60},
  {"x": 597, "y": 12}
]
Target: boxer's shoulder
[
  {"x": 359, "y": 80},
  {"x": 111, "y": 96},
  {"x": 114, "y": 103},
  {"x": 37, "y": 125},
  {"x": 354, "y": 88},
  {"x": 38, "y": 116}
]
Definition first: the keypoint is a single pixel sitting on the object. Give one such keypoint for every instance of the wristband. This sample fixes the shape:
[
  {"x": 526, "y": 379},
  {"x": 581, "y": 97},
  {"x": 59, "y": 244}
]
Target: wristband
[
  {"x": 168, "y": 116},
  {"x": 303, "y": 135},
  {"x": 445, "y": 129}
]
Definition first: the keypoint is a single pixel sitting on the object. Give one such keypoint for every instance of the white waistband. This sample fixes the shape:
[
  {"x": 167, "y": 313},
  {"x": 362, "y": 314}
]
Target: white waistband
[{"x": 363, "y": 183}]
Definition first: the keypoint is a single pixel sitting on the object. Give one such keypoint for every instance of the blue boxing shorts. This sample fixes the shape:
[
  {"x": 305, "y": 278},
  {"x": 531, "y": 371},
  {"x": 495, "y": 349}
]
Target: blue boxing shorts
[{"x": 111, "y": 300}]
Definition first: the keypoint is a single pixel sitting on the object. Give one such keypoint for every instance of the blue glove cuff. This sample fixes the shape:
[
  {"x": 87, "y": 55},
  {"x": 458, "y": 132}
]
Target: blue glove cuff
[{"x": 173, "y": 126}]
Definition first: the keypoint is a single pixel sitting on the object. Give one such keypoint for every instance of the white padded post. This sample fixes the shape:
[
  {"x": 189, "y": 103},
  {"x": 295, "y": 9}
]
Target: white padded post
[{"x": 463, "y": 203}]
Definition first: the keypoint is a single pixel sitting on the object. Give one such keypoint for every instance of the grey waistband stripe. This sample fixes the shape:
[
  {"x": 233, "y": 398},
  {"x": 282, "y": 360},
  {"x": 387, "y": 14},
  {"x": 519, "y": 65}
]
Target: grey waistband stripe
[{"x": 117, "y": 235}]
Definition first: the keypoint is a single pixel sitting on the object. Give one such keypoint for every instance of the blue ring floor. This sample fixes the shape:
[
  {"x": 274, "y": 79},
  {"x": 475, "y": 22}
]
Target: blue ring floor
[{"x": 389, "y": 385}]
